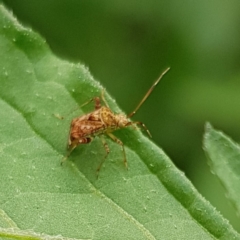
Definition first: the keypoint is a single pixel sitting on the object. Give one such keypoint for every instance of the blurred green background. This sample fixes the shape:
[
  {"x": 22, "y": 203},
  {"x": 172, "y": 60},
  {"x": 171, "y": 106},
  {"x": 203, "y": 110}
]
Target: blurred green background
[{"x": 127, "y": 44}]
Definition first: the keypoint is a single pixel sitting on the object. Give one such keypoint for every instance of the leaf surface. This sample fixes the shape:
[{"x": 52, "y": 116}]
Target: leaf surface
[{"x": 41, "y": 199}]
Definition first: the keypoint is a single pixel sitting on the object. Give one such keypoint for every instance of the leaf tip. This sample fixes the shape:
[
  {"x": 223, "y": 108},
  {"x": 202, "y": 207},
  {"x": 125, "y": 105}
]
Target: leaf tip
[{"x": 208, "y": 127}]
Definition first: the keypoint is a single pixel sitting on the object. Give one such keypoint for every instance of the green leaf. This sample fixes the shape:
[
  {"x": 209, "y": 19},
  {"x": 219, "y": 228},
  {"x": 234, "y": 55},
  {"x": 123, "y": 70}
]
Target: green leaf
[
  {"x": 224, "y": 160},
  {"x": 41, "y": 199}
]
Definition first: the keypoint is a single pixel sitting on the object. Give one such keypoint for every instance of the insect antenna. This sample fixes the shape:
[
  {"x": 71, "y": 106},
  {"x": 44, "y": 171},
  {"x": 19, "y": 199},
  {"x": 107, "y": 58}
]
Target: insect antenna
[{"x": 148, "y": 93}]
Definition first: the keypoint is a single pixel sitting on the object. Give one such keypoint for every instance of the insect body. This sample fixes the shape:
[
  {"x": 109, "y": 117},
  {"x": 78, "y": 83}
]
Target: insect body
[{"x": 103, "y": 121}]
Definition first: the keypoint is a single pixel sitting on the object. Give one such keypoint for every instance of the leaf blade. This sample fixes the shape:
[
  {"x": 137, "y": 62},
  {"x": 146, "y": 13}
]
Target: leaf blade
[
  {"x": 152, "y": 200},
  {"x": 224, "y": 160}
]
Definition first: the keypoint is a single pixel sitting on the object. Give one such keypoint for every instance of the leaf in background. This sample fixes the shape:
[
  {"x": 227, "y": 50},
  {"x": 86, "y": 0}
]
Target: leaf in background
[
  {"x": 224, "y": 161},
  {"x": 152, "y": 200}
]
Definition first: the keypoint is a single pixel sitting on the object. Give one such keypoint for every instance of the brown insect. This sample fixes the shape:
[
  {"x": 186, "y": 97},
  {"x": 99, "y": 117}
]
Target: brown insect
[{"x": 103, "y": 121}]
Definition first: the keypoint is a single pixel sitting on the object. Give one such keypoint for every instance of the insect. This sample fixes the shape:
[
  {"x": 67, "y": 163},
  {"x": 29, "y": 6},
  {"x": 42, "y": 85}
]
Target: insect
[{"x": 103, "y": 121}]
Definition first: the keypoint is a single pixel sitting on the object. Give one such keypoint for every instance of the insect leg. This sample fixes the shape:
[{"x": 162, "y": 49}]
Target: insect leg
[
  {"x": 107, "y": 152},
  {"x": 97, "y": 102},
  {"x": 142, "y": 125},
  {"x": 97, "y": 106},
  {"x": 58, "y": 116},
  {"x": 115, "y": 139},
  {"x": 69, "y": 153}
]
